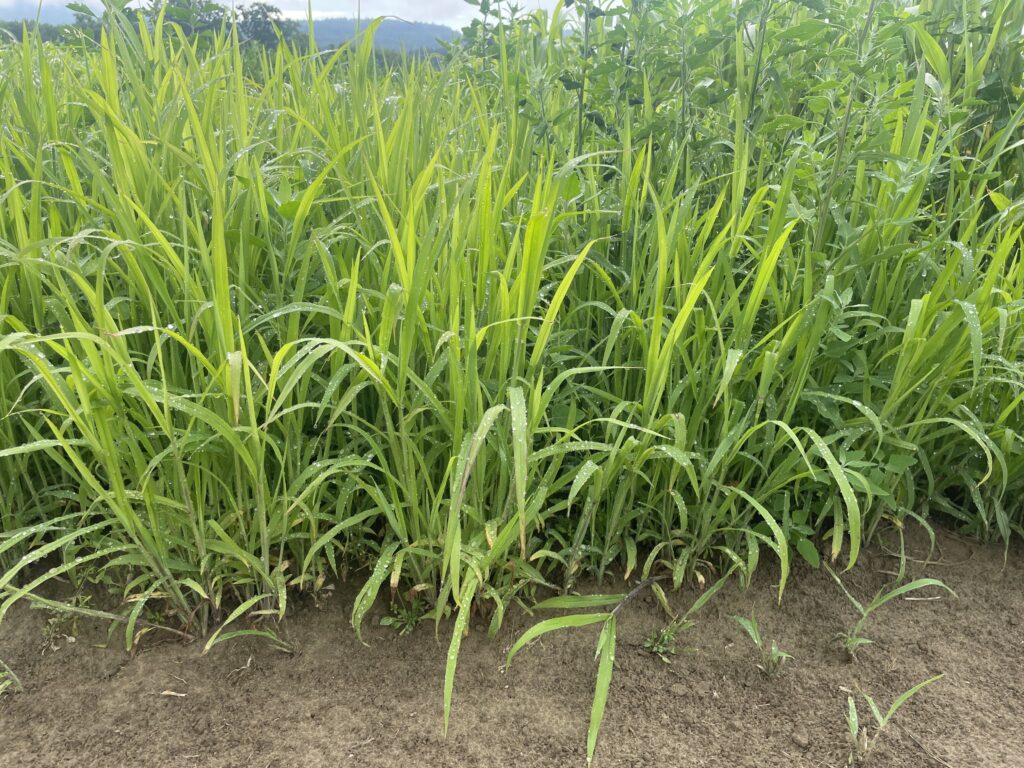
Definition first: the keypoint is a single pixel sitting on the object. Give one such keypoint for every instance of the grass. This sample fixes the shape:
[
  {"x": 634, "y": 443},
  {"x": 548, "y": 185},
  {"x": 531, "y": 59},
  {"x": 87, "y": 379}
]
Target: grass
[
  {"x": 8, "y": 680},
  {"x": 853, "y": 639},
  {"x": 772, "y": 657},
  {"x": 729, "y": 281},
  {"x": 662, "y": 642},
  {"x": 862, "y": 740}
]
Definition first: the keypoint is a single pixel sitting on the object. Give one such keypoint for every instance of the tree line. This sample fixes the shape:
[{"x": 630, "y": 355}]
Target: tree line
[{"x": 258, "y": 23}]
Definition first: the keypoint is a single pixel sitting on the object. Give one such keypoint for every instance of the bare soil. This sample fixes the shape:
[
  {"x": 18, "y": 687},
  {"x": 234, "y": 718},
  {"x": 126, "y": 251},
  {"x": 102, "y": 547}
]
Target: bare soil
[{"x": 337, "y": 703}]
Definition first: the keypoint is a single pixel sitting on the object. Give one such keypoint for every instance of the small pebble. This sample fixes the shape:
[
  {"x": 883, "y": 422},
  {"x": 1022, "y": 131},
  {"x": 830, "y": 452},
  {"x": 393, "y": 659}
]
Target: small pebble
[{"x": 801, "y": 738}]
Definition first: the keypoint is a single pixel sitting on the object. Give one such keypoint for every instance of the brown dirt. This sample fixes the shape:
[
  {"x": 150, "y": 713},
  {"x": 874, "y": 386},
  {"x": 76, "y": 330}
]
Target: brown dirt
[{"x": 337, "y": 703}]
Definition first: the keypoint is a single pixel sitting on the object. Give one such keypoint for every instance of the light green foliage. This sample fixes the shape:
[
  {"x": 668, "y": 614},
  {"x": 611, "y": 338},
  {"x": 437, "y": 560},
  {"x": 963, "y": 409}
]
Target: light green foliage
[
  {"x": 853, "y": 638},
  {"x": 8, "y": 680},
  {"x": 656, "y": 288},
  {"x": 605, "y": 654},
  {"x": 404, "y": 617},
  {"x": 772, "y": 657},
  {"x": 864, "y": 738},
  {"x": 662, "y": 642}
]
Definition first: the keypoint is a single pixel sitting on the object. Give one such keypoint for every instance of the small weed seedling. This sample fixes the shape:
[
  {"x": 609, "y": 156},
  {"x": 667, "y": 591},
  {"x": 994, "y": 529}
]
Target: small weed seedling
[
  {"x": 61, "y": 629},
  {"x": 853, "y": 639},
  {"x": 404, "y": 618},
  {"x": 662, "y": 642},
  {"x": 864, "y": 739},
  {"x": 772, "y": 657},
  {"x": 8, "y": 680}
]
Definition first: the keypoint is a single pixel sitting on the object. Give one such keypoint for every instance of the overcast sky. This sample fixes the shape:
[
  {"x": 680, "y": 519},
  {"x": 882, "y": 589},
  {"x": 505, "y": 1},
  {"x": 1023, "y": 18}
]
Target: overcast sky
[{"x": 451, "y": 12}]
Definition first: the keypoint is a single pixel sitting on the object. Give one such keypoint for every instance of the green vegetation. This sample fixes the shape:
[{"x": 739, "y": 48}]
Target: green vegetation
[
  {"x": 853, "y": 638},
  {"x": 8, "y": 680},
  {"x": 657, "y": 289},
  {"x": 604, "y": 655},
  {"x": 404, "y": 618},
  {"x": 862, "y": 739},
  {"x": 662, "y": 642},
  {"x": 772, "y": 657}
]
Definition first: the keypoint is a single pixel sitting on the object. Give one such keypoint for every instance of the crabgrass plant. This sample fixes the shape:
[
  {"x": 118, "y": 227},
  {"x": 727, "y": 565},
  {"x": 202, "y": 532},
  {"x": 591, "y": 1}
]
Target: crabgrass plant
[
  {"x": 853, "y": 639},
  {"x": 662, "y": 642},
  {"x": 657, "y": 288},
  {"x": 772, "y": 657},
  {"x": 864, "y": 738},
  {"x": 8, "y": 680}
]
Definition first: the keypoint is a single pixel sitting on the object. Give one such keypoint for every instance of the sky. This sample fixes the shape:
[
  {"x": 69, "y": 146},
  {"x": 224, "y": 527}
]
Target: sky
[{"x": 454, "y": 13}]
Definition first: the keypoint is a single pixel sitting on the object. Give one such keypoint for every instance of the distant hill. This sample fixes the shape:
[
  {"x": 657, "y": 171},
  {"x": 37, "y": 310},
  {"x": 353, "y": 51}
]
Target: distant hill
[{"x": 392, "y": 34}]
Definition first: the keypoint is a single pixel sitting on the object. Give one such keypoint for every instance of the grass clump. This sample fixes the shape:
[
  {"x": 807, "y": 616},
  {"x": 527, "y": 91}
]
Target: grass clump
[
  {"x": 659, "y": 288},
  {"x": 772, "y": 657},
  {"x": 853, "y": 639},
  {"x": 864, "y": 738},
  {"x": 662, "y": 642},
  {"x": 404, "y": 617},
  {"x": 8, "y": 680}
]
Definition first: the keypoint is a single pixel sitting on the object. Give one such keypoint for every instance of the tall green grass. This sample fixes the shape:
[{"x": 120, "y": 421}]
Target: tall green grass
[{"x": 730, "y": 281}]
